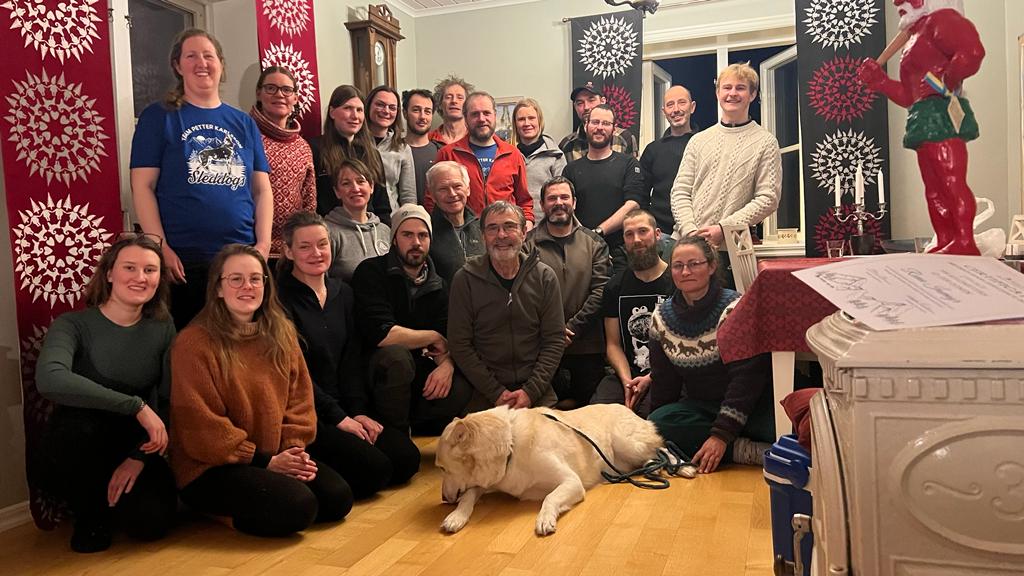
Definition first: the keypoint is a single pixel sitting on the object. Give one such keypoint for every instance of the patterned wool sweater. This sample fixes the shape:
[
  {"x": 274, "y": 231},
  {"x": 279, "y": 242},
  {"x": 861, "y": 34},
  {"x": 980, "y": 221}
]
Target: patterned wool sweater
[
  {"x": 686, "y": 364},
  {"x": 729, "y": 175},
  {"x": 292, "y": 176}
]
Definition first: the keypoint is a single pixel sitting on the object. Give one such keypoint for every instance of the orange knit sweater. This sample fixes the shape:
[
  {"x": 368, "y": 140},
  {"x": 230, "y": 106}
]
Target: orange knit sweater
[{"x": 216, "y": 422}]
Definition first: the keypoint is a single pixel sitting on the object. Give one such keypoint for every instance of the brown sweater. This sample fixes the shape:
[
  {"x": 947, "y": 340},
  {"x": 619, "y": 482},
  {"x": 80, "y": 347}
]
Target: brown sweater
[{"x": 216, "y": 422}]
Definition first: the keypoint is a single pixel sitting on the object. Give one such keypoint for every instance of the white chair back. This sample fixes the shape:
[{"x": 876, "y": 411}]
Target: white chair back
[{"x": 741, "y": 254}]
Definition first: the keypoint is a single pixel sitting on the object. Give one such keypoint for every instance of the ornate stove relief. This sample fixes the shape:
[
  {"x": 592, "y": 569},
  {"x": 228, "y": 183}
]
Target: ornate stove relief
[{"x": 965, "y": 482}]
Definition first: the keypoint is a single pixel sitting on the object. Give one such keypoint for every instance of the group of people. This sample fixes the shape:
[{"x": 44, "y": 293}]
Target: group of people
[{"x": 290, "y": 311}]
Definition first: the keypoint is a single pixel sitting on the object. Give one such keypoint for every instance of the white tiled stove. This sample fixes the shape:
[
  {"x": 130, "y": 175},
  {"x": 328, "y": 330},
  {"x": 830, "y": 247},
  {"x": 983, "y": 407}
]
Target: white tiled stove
[{"x": 918, "y": 450}]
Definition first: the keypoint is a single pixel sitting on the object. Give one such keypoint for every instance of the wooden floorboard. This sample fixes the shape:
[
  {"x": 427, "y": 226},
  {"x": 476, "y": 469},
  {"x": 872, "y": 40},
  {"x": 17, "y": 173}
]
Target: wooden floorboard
[{"x": 712, "y": 525}]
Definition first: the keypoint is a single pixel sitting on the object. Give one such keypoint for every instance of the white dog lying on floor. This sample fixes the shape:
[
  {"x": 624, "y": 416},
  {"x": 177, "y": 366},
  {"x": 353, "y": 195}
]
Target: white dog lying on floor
[{"x": 531, "y": 457}]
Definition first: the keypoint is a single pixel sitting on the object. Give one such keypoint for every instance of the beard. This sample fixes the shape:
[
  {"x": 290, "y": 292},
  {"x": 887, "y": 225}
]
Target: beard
[
  {"x": 482, "y": 133},
  {"x": 414, "y": 130},
  {"x": 561, "y": 216},
  {"x": 504, "y": 254},
  {"x": 599, "y": 144},
  {"x": 414, "y": 259},
  {"x": 642, "y": 258},
  {"x": 929, "y": 7}
]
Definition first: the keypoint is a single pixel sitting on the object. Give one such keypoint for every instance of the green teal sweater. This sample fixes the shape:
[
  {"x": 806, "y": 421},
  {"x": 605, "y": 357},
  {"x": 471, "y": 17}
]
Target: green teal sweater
[{"x": 87, "y": 361}]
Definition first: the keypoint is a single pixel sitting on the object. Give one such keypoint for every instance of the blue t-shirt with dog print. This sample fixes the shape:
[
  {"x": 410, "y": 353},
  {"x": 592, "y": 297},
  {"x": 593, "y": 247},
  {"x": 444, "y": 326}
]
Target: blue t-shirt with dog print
[{"x": 206, "y": 158}]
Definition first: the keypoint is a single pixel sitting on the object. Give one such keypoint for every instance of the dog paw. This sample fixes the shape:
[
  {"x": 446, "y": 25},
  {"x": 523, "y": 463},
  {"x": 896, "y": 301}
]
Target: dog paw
[
  {"x": 546, "y": 523},
  {"x": 454, "y": 522}
]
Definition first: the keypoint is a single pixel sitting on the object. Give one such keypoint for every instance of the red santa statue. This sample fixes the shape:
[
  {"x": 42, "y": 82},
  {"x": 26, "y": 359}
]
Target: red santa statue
[{"x": 940, "y": 49}]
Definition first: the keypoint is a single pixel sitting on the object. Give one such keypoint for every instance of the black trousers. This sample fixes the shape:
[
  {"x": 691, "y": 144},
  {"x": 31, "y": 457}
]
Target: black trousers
[
  {"x": 188, "y": 299},
  {"x": 265, "y": 503},
  {"x": 367, "y": 468},
  {"x": 84, "y": 447},
  {"x": 577, "y": 377},
  {"x": 397, "y": 379}
]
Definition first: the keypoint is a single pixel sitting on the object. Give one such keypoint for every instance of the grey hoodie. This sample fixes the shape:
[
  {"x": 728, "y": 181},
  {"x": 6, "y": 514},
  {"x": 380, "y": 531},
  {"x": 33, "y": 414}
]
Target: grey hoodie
[{"x": 352, "y": 242}]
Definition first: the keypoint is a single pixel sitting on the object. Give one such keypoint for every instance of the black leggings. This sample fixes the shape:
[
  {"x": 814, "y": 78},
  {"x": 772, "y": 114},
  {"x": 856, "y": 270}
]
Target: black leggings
[
  {"x": 85, "y": 446},
  {"x": 367, "y": 468},
  {"x": 266, "y": 503}
]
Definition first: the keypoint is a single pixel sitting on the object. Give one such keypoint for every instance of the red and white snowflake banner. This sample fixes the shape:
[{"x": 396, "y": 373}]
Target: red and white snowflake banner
[
  {"x": 285, "y": 35},
  {"x": 59, "y": 149}
]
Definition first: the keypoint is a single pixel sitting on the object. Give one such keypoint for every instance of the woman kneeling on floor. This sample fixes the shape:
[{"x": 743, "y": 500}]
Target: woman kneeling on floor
[
  {"x": 106, "y": 369},
  {"x": 368, "y": 455},
  {"x": 715, "y": 411},
  {"x": 242, "y": 409}
]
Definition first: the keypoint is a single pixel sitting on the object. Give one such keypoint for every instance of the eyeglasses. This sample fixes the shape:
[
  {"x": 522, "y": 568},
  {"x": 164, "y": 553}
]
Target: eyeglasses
[
  {"x": 272, "y": 89},
  {"x": 508, "y": 227},
  {"x": 382, "y": 106},
  {"x": 238, "y": 280},
  {"x": 602, "y": 123},
  {"x": 131, "y": 235},
  {"x": 692, "y": 265}
]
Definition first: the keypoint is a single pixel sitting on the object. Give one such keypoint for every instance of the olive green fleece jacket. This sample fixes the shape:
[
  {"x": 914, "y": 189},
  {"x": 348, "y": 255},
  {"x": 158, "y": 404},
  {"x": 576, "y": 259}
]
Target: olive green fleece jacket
[{"x": 507, "y": 340}]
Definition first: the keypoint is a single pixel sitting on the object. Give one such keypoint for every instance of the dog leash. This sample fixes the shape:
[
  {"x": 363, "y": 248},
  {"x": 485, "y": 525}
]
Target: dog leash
[{"x": 670, "y": 459}]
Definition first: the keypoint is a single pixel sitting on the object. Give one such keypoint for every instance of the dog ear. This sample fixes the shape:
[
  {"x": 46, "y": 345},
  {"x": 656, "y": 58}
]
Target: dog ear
[{"x": 461, "y": 432}]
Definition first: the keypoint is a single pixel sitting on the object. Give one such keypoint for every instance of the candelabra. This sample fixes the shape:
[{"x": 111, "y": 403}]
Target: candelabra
[{"x": 861, "y": 243}]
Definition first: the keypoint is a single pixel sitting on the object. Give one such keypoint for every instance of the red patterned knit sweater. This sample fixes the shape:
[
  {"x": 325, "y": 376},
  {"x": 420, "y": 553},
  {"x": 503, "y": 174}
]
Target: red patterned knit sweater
[{"x": 292, "y": 177}]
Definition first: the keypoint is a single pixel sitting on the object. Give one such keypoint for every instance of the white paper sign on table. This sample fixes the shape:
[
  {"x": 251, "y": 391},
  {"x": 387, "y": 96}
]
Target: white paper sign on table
[{"x": 918, "y": 290}]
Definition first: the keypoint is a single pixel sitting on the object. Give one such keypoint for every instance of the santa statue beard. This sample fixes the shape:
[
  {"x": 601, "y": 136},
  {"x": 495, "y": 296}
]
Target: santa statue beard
[{"x": 912, "y": 15}]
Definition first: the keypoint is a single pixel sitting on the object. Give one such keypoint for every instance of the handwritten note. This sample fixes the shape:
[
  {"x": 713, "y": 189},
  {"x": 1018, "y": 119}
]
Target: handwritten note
[{"x": 918, "y": 290}]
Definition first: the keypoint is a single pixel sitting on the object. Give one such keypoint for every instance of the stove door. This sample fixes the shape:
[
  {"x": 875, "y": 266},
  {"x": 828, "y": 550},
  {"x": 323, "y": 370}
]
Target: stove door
[{"x": 831, "y": 539}]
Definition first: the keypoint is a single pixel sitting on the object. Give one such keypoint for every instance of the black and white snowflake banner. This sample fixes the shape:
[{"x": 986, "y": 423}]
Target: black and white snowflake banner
[
  {"x": 607, "y": 50},
  {"x": 285, "y": 35},
  {"x": 843, "y": 125}
]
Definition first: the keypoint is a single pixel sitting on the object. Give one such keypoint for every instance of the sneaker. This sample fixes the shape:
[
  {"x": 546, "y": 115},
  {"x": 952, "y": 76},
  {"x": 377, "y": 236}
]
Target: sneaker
[
  {"x": 746, "y": 451},
  {"x": 90, "y": 537}
]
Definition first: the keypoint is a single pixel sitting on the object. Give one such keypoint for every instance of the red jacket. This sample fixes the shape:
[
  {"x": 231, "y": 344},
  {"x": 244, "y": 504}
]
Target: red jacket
[{"x": 506, "y": 180}]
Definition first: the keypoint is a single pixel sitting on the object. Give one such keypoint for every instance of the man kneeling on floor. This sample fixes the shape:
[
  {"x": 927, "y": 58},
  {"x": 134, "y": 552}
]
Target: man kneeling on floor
[
  {"x": 402, "y": 312},
  {"x": 505, "y": 325}
]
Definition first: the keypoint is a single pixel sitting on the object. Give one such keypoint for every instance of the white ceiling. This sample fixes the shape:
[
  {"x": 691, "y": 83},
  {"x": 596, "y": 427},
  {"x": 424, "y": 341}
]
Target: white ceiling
[{"x": 433, "y": 7}]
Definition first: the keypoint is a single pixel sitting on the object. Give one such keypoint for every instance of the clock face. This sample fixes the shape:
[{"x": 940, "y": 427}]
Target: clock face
[{"x": 378, "y": 53}]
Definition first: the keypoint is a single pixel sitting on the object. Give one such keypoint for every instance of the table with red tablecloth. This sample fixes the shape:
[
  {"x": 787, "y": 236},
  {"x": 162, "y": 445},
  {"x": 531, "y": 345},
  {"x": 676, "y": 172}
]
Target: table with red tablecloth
[{"x": 773, "y": 316}]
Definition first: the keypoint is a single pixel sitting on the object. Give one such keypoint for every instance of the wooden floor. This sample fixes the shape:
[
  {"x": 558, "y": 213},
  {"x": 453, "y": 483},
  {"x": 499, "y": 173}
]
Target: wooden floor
[{"x": 713, "y": 525}]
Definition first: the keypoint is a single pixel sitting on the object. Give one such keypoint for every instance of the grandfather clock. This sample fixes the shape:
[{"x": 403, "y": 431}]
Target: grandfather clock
[{"x": 373, "y": 48}]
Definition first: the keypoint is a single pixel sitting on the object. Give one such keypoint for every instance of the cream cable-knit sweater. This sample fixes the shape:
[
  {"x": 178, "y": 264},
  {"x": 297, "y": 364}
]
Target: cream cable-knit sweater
[{"x": 727, "y": 176}]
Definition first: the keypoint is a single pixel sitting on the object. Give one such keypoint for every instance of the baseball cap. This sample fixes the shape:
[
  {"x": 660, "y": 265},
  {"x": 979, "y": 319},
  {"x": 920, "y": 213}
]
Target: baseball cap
[{"x": 589, "y": 87}]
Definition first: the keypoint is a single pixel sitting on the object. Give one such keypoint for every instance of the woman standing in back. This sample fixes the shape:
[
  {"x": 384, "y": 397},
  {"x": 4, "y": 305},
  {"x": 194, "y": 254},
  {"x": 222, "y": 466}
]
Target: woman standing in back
[
  {"x": 292, "y": 177},
  {"x": 199, "y": 175}
]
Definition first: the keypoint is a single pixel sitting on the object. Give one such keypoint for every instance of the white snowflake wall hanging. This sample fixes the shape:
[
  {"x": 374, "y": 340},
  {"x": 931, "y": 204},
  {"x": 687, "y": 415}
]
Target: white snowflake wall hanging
[
  {"x": 55, "y": 130},
  {"x": 608, "y": 47},
  {"x": 55, "y": 247},
  {"x": 292, "y": 59},
  {"x": 840, "y": 153},
  {"x": 58, "y": 28},
  {"x": 838, "y": 23},
  {"x": 289, "y": 16}
]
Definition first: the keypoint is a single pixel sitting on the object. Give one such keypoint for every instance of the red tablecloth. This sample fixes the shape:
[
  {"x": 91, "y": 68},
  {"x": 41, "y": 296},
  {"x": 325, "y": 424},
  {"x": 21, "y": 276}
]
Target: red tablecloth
[{"x": 775, "y": 312}]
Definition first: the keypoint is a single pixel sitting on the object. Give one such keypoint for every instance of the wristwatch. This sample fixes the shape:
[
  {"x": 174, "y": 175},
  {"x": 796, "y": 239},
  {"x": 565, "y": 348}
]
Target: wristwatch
[{"x": 599, "y": 231}]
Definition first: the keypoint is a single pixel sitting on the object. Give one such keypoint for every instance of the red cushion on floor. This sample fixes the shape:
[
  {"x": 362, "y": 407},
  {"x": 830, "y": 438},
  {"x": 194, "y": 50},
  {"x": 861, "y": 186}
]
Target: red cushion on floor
[{"x": 798, "y": 407}]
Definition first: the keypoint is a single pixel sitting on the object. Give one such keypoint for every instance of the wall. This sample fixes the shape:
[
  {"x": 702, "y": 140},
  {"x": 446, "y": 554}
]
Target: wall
[
  {"x": 534, "y": 50},
  {"x": 1014, "y": 137}
]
